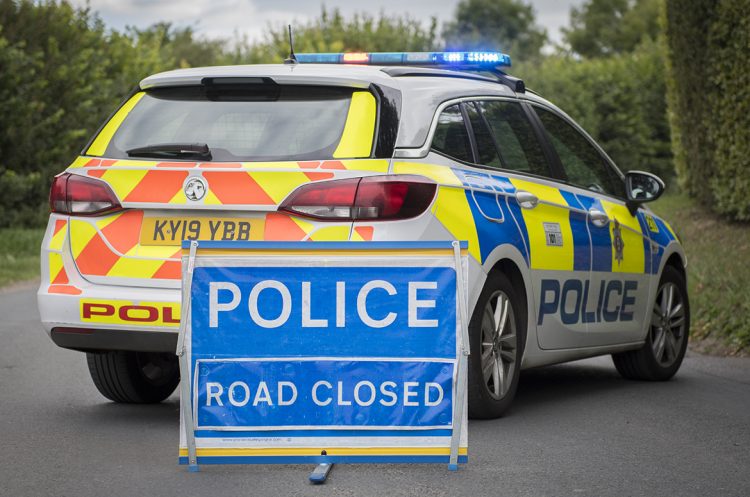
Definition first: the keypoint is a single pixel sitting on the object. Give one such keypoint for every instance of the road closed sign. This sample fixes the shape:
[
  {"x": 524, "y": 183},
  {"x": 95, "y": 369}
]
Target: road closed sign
[{"x": 323, "y": 352}]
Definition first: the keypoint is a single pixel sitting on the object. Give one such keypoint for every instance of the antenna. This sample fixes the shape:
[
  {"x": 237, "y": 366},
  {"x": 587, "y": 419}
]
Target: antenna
[{"x": 292, "y": 59}]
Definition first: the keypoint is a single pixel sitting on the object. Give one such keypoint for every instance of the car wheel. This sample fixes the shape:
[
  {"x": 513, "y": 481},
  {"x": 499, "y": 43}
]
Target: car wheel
[
  {"x": 497, "y": 332},
  {"x": 667, "y": 339},
  {"x": 134, "y": 377}
]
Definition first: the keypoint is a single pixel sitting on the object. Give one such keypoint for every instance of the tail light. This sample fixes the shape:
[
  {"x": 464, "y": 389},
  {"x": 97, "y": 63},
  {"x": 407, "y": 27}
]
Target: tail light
[
  {"x": 373, "y": 198},
  {"x": 75, "y": 194}
]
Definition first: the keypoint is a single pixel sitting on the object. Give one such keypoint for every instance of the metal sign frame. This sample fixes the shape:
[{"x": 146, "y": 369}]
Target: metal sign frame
[{"x": 454, "y": 251}]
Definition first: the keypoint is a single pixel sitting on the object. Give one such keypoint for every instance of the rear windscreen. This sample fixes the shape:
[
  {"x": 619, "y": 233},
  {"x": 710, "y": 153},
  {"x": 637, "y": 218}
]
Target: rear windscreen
[{"x": 263, "y": 122}]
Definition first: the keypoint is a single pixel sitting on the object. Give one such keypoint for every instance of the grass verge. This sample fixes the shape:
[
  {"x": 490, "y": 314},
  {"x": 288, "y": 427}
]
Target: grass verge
[
  {"x": 718, "y": 253},
  {"x": 19, "y": 254}
]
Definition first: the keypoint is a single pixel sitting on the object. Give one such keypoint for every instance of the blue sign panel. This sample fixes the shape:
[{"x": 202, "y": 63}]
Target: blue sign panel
[
  {"x": 333, "y": 311},
  {"x": 324, "y": 393},
  {"x": 324, "y": 352}
]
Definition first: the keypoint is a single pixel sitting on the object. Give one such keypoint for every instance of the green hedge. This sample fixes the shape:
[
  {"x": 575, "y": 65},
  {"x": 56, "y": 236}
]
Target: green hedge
[
  {"x": 729, "y": 39},
  {"x": 708, "y": 84},
  {"x": 619, "y": 100},
  {"x": 61, "y": 74}
]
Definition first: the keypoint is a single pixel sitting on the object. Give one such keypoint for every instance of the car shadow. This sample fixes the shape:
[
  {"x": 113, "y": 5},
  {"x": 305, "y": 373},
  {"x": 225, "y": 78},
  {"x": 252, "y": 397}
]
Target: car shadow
[
  {"x": 539, "y": 388},
  {"x": 107, "y": 414}
]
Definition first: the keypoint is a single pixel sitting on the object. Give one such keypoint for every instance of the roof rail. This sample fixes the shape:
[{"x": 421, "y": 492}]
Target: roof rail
[{"x": 497, "y": 76}]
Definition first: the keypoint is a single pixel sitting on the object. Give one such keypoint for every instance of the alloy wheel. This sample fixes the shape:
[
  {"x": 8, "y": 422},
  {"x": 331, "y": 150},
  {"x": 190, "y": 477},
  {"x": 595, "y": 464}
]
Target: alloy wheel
[
  {"x": 668, "y": 325},
  {"x": 499, "y": 345}
]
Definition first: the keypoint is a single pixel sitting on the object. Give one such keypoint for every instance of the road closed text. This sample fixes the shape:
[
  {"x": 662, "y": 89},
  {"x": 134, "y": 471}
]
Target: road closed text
[
  {"x": 363, "y": 393},
  {"x": 325, "y": 392}
]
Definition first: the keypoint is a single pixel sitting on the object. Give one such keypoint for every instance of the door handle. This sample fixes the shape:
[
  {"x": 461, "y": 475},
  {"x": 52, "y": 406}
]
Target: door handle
[
  {"x": 598, "y": 218},
  {"x": 527, "y": 200}
]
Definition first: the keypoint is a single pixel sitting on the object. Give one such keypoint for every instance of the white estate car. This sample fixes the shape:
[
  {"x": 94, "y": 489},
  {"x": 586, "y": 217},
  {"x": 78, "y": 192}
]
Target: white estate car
[{"x": 565, "y": 260}]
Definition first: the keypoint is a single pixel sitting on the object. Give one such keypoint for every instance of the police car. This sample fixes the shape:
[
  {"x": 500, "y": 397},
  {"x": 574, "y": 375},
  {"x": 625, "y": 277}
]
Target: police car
[{"x": 566, "y": 261}]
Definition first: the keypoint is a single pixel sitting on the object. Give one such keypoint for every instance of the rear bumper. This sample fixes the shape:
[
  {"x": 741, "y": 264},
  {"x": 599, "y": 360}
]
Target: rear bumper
[
  {"x": 104, "y": 317},
  {"x": 88, "y": 340}
]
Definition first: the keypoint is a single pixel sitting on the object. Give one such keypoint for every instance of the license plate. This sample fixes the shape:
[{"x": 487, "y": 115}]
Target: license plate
[{"x": 172, "y": 230}]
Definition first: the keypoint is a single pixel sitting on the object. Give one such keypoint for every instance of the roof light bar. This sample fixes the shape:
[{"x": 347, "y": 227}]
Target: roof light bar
[{"x": 459, "y": 59}]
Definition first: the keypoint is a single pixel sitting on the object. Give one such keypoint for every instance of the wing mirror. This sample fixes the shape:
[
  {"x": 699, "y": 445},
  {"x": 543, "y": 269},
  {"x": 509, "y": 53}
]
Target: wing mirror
[{"x": 642, "y": 187}]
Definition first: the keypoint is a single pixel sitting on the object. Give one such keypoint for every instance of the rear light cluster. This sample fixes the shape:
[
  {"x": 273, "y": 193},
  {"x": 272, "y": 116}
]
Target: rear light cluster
[
  {"x": 81, "y": 195},
  {"x": 373, "y": 198}
]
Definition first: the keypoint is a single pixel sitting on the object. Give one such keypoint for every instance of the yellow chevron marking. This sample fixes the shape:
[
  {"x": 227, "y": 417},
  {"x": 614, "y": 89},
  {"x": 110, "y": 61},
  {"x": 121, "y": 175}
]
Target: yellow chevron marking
[
  {"x": 543, "y": 256},
  {"x": 179, "y": 198},
  {"x": 278, "y": 184},
  {"x": 211, "y": 199},
  {"x": 123, "y": 182},
  {"x": 103, "y": 223},
  {"x": 338, "y": 233},
  {"x": 154, "y": 251},
  {"x": 356, "y": 139},
  {"x": 134, "y": 163},
  {"x": 57, "y": 240},
  {"x": 453, "y": 211},
  {"x": 376, "y": 166},
  {"x": 55, "y": 265},
  {"x": 127, "y": 267},
  {"x": 304, "y": 225},
  {"x": 100, "y": 144},
  {"x": 79, "y": 162},
  {"x": 441, "y": 174},
  {"x": 81, "y": 233},
  {"x": 633, "y": 254}
]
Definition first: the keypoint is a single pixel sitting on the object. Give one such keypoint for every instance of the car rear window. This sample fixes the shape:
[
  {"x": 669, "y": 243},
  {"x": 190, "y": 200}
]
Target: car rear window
[{"x": 267, "y": 122}]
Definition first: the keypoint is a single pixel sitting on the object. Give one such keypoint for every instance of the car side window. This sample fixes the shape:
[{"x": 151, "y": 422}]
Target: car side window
[
  {"x": 451, "y": 137},
  {"x": 583, "y": 164},
  {"x": 516, "y": 141},
  {"x": 486, "y": 151}
]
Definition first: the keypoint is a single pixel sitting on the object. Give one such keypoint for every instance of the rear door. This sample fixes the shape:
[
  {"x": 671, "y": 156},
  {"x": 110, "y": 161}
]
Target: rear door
[
  {"x": 614, "y": 306},
  {"x": 559, "y": 246}
]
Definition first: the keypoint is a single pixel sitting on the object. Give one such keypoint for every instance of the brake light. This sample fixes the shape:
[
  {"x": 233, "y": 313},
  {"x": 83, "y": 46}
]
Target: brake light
[
  {"x": 374, "y": 198},
  {"x": 75, "y": 194}
]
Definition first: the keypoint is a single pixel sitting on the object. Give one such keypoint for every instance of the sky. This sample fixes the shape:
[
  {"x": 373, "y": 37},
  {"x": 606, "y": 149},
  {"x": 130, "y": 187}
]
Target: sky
[{"x": 224, "y": 18}]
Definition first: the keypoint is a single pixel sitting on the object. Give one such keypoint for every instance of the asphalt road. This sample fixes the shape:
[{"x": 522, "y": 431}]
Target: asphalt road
[{"x": 575, "y": 429}]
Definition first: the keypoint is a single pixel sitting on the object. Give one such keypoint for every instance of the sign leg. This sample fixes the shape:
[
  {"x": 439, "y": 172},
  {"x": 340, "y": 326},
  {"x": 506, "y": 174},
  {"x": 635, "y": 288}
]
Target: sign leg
[
  {"x": 187, "y": 414},
  {"x": 463, "y": 354}
]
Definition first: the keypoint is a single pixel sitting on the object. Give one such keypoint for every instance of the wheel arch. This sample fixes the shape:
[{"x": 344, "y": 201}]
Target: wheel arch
[
  {"x": 676, "y": 261},
  {"x": 508, "y": 260}
]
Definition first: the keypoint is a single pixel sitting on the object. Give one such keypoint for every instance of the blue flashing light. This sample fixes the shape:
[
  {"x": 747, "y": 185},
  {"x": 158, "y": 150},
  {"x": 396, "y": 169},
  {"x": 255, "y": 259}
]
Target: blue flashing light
[{"x": 454, "y": 59}]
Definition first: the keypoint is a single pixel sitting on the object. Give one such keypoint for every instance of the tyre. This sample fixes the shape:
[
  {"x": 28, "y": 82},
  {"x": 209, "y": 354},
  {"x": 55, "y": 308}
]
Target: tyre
[
  {"x": 667, "y": 339},
  {"x": 497, "y": 333},
  {"x": 134, "y": 377}
]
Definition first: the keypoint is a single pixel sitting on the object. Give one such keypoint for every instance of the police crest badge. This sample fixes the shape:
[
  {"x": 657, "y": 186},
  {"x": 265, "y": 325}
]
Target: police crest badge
[{"x": 617, "y": 242}]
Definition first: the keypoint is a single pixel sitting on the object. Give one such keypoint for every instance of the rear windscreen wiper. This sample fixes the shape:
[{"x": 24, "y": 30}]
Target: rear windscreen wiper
[{"x": 172, "y": 150}]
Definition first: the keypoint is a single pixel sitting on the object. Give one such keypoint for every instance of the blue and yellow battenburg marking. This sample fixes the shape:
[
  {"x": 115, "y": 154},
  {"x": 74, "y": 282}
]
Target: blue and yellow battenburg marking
[{"x": 623, "y": 245}]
